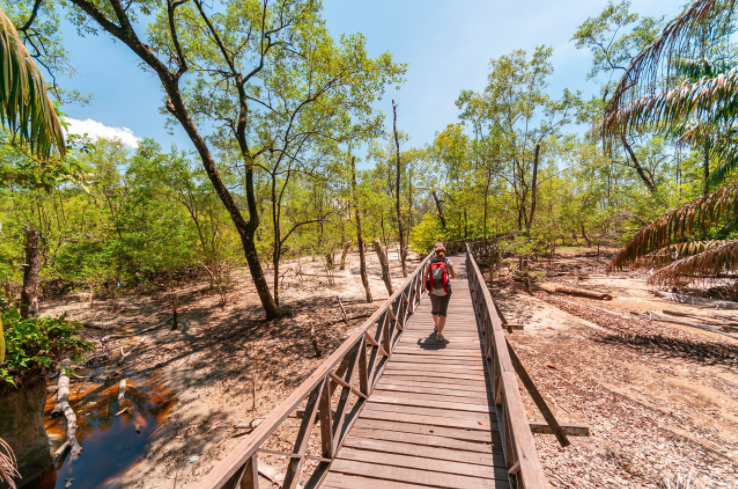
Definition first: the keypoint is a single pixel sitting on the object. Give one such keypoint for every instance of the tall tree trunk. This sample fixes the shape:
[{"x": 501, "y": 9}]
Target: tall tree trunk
[
  {"x": 29, "y": 295},
  {"x": 346, "y": 247},
  {"x": 439, "y": 208},
  {"x": 384, "y": 261},
  {"x": 633, "y": 158},
  {"x": 586, "y": 238},
  {"x": 359, "y": 235},
  {"x": 534, "y": 188},
  {"x": 403, "y": 247}
]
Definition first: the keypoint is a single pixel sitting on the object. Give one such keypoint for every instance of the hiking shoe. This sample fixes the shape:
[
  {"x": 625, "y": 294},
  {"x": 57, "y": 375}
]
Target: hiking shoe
[
  {"x": 439, "y": 337},
  {"x": 435, "y": 329}
]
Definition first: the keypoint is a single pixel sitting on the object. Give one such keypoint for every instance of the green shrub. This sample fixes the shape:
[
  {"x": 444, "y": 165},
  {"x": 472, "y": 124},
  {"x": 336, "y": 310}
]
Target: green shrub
[{"x": 32, "y": 345}]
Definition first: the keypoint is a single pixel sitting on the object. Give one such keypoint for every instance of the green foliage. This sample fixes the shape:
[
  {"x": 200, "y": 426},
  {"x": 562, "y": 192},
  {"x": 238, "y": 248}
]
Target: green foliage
[
  {"x": 34, "y": 344},
  {"x": 428, "y": 232},
  {"x": 25, "y": 107}
]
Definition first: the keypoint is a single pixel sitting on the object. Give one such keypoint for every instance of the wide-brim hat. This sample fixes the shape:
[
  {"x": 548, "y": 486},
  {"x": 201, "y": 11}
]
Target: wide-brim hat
[{"x": 439, "y": 246}]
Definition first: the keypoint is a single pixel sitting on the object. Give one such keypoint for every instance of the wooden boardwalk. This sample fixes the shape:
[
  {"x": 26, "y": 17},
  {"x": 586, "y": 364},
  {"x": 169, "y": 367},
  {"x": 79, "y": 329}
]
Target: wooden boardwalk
[
  {"x": 430, "y": 421},
  {"x": 394, "y": 408}
]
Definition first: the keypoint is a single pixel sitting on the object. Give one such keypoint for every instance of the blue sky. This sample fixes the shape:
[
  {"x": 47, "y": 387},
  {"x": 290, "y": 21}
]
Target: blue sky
[{"x": 448, "y": 45}]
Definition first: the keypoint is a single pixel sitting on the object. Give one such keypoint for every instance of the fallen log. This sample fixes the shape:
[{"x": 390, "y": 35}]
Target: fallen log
[
  {"x": 121, "y": 391},
  {"x": 696, "y": 301},
  {"x": 62, "y": 407},
  {"x": 583, "y": 293},
  {"x": 125, "y": 356},
  {"x": 654, "y": 316},
  {"x": 251, "y": 425}
]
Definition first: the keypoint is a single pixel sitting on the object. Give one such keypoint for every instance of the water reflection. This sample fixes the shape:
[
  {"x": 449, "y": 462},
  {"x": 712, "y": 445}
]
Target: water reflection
[{"x": 111, "y": 445}]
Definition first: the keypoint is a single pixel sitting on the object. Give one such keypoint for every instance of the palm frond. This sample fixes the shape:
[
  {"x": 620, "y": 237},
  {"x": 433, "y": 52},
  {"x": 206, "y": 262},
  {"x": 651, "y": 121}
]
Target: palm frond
[
  {"x": 700, "y": 215},
  {"x": 710, "y": 100},
  {"x": 677, "y": 251},
  {"x": 25, "y": 106},
  {"x": 8, "y": 464},
  {"x": 705, "y": 21},
  {"x": 708, "y": 264}
]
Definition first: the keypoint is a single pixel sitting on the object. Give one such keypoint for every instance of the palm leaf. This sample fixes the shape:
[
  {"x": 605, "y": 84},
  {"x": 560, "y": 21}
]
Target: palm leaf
[
  {"x": 708, "y": 264},
  {"x": 709, "y": 99},
  {"x": 25, "y": 106},
  {"x": 669, "y": 254},
  {"x": 8, "y": 464},
  {"x": 704, "y": 21},
  {"x": 702, "y": 214}
]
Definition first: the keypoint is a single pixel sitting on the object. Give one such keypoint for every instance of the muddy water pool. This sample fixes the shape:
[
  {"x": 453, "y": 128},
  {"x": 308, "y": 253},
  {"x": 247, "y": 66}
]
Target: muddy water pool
[{"x": 111, "y": 444}]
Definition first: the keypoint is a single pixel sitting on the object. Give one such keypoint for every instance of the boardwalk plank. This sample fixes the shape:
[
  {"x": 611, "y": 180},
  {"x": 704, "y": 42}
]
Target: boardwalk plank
[
  {"x": 426, "y": 464},
  {"x": 455, "y": 433},
  {"x": 414, "y": 476},
  {"x": 418, "y": 450},
  {"x": 428, "y": 440}
]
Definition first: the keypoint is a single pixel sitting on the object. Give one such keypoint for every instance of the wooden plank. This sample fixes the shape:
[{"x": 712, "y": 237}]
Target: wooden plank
[
  {"x": 431, "y": 344},
  {"x": 426, "y": 464},
  {"x": 343, "y": 481},
  {"x": 543, "y": 428},
  {"x": 303, "y": 437},
  {"x": 434, "y": 360},
  {"x": 397, "y": 408},
  {"x": 440, "y": 348},
  {"x": 412, "y": 401},
  {"x": 456, "y": 433},
  {"x": 450, "y": 355},
  {"x": 385, "y": 386},
  {"x": 250, "y": 476},
  {"x": 414, "y": 476},
  {"x": 437, "y": 374},
  {"x": 448, "y": 422},
  {"x": 426, "y": 440},
  {"x": 437, "y": 380},
  {"x": 326, "y": 420},
  {"x": 537, "y": 398},
  {"x": 434, "y": 383},
  {"x": 444, "y": 368},
  {"x": 418, "y": 450}
]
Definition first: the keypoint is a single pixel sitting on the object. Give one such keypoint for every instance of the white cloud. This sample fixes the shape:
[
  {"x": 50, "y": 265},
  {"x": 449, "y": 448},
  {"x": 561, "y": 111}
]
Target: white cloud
[{"x": 96, "y": 130}]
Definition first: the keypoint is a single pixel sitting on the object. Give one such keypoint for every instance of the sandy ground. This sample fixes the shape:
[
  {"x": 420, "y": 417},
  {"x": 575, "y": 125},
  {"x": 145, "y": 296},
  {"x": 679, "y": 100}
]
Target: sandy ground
[
  {"x": 660, "y": 399},
  {"x": 209, "y": 364}
]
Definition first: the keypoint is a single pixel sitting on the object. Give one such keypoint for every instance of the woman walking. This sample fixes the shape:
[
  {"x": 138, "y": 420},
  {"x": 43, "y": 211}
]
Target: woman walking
[{"x": 436, "y": 282}]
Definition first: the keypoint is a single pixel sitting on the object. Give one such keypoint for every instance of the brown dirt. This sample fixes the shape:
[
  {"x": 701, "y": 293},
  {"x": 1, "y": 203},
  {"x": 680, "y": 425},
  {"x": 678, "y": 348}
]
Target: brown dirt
[
  {"x": 659, "y": 398},
  {"x": 208, "y": 364}
]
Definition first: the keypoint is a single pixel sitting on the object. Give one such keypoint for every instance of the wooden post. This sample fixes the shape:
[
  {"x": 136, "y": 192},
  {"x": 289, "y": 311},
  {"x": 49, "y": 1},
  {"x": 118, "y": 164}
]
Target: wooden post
[
  {"x": 384, "y": 262},
  {"x": 359, "y": 235},
  {"x": 29, "y": 295}
]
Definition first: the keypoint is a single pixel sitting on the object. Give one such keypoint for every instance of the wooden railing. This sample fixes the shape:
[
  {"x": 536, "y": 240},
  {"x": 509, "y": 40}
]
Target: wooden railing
[
  {"x": 335, "y": 393},
  {"x": 518, "y": 445}
]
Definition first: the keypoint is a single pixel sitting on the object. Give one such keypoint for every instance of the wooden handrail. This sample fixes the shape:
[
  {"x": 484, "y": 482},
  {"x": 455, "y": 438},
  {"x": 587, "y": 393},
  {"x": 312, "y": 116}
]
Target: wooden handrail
[
  {"x": 238, "y": 469},
  {"x": 518, "y": 445}
]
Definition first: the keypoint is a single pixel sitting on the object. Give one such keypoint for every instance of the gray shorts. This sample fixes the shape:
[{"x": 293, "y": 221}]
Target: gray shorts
[{"x": 439, "y": 304}]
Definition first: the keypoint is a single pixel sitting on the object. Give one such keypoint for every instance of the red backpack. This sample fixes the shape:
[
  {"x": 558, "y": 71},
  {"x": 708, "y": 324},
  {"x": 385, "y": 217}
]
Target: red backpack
[{"x": 438, "y": 278}]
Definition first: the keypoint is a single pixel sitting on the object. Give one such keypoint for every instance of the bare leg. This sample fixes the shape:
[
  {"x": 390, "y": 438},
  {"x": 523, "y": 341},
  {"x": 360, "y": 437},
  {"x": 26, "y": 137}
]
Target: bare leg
[
  {"x": 435, "y": 319},
  {"x": 441, "y": 324}
]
